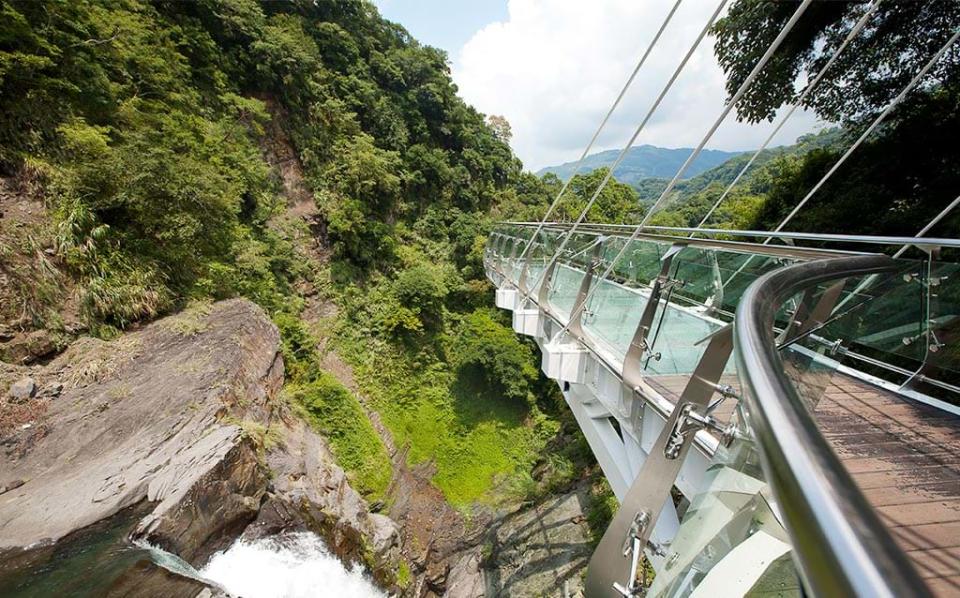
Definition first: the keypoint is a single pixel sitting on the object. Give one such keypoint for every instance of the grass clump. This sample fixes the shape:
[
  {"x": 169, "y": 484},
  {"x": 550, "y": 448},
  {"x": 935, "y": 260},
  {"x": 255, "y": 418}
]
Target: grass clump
[
  {"x": 336, "y": 413},
  {"x": 403, "y": 575},
  {"x": 263, "y": 437},
  {"x": 602, "y": 507},
  {"x": 192, "y": 320}
]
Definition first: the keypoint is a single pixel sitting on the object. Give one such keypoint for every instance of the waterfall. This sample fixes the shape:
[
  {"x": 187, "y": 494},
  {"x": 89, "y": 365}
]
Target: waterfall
[{"x": 294, "y": 565}]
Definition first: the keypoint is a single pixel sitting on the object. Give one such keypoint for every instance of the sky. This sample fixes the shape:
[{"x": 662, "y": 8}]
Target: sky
[{"x": 554, "y": 67}]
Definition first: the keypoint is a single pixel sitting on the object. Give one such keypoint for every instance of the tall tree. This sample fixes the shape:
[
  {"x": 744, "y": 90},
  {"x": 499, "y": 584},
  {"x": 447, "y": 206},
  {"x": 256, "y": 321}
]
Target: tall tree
[{"x": 897, "y": 41}]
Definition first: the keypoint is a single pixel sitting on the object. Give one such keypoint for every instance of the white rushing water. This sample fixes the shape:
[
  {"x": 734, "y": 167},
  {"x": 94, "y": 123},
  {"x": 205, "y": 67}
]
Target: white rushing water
[{"x": 292, "y": 566}]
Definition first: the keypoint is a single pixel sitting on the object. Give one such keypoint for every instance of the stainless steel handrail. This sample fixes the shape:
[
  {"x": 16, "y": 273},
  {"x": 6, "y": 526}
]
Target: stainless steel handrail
[
  {"x": 797, "y": 236},
  {"x": 840, "y": 545},
  {"x": 773, "y": 250}
]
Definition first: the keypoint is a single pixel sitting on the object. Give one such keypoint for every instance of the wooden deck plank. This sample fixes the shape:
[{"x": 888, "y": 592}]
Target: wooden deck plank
[
  {"x": 947, "y": 460},
  {"x": 936, "y": 562},
  {"x": 931, "y": 535},
  {"x": 905, "y": 457},
  {"x": 921, "y": 513},
  {"x": 945, "y": 586},
  {"x": 903, "y": 495}
]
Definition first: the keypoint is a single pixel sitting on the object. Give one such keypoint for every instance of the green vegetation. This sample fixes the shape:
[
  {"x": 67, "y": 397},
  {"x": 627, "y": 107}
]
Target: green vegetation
[
  {"x": 335, "y": 412},
  {"x": 905, "y": 172},
  {"x": 487, "y": 354},
  {"x": 403, "y": 575},
  {"x": 477, "y": 437},
  {"x": 262, "y": 437},
  {"x": 142, "y": 125},
  {"x": 601, "y": 508}
]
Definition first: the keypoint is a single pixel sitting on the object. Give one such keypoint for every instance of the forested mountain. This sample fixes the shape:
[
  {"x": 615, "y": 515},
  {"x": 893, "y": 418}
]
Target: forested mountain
[
  {"x": 308, "y": 155},
  {"x": 643, "y": 161}
]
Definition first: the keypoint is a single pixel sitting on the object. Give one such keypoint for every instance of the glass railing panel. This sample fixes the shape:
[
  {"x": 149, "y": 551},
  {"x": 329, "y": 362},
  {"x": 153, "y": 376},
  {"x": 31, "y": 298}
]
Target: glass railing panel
[
  {"x": 740, "y": 270},
  {"x": 940, "y": 372},
  {"x": 683, "y": 321},
  {"x": 613, "y": 313},
  {"x": 730, "y": 541},
  {"x": 538, "y": 257},
  {"x": 808, "y": 361},
  {"x": 872, "y": 325},
  {"x": 699, "y": 278},
  {"x": 521, "y": 238},
  {"x": 878, "y": 326},
  {"x": 572, "y": 264},
  {"x": 616, "y": 304},
  {"x": 678, "y": 339},
  {"x": 510, "y": 247},
  {"x": 563, "y": 290},
  {"x": 640, "y": 263}
]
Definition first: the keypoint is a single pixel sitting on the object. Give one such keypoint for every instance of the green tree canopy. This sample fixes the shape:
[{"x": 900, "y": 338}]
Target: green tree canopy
[{"x": 897, "y": 41}]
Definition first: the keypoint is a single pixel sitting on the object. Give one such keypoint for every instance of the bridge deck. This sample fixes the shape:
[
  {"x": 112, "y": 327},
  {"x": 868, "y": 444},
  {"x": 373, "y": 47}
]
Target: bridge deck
[{"x": 904, "y": 456}]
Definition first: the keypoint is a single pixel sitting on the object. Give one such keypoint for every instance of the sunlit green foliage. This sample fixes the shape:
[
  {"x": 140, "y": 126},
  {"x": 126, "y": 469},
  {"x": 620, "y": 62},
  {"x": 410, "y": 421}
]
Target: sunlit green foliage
[
  {"x": 149, "y": 116},
  {"x": 617, "y": 203},
  {"x": 147, "y": 121},
  {"x": 490, "y": 352},
  {"x": 338, "y": 416},
  {"x": 477, "y": 438}
]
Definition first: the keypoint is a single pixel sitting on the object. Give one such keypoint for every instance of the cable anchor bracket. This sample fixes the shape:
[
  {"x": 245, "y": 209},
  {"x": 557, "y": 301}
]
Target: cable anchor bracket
[{"x": 633, "y": 548}]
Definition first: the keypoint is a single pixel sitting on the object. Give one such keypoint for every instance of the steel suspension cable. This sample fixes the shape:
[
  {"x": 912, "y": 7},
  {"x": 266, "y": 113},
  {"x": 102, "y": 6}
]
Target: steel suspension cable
[
  {"x": 626, "y": 148},
  {"x": 876, "y": 122},
  {"x": 596, "y": 134},
  {"x": 931, "y": 224},
  {"x": 799, "y": 102},
  {"x": 730, "y": 105}
]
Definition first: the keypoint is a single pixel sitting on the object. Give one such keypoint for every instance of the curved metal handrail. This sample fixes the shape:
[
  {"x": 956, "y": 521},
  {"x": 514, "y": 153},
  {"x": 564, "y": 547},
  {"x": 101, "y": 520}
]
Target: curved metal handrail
[{"x": 840, "y": 544}]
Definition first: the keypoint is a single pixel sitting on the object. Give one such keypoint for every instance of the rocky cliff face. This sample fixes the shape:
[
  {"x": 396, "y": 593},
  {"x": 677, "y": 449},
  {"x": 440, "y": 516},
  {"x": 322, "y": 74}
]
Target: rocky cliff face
[
  {"x": 183, "y": 415},
  {"x": 537, "y": 550}
]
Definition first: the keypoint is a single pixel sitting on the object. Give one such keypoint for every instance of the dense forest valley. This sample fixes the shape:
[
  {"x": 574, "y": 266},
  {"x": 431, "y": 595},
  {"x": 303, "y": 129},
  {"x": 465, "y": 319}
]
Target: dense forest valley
[{"x": 158, "y": 158}]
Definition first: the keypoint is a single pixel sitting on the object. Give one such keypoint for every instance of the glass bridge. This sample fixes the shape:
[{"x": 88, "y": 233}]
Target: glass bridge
[{"x": 775, "y": 418}]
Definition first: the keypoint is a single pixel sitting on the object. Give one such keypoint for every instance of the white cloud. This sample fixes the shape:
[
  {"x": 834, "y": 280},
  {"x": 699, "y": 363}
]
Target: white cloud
[{"x": 555, "y": 66}]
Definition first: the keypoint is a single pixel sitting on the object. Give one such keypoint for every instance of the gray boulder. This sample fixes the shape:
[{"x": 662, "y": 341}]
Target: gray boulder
[{"x": 22, "y": 390}]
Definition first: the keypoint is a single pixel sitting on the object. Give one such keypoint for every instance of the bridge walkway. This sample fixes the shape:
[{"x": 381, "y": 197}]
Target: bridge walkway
[{"x": 904, "y": 456}]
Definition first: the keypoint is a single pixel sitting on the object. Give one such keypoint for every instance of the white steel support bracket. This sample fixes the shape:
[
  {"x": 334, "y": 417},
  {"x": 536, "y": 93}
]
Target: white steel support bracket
[{"x": 611, "y": 562}]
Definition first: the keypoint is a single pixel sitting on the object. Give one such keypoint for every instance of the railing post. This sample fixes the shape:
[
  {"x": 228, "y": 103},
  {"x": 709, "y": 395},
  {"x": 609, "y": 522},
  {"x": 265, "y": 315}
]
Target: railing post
[
  {"x": 575, "y": 327},
  {"x": 613, "y": 566},
  {"x": 930, "y": 303},
  {"x": 806, "y": 318},
  {"x": 638, "y": 345},
  {"x": 522, "y": 278}
]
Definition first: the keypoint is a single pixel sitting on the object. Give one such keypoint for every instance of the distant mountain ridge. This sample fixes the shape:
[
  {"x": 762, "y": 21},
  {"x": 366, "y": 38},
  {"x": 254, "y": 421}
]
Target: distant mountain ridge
[{"x": 643, "y": 162}]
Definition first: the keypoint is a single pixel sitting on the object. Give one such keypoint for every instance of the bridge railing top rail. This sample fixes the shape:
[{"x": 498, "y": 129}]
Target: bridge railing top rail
[{"x": 717, "y": 234}]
